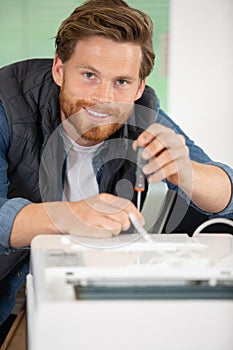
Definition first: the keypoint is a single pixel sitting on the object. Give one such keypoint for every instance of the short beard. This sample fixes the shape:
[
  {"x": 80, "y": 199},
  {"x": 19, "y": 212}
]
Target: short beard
[{"x": 86, "y": 129}]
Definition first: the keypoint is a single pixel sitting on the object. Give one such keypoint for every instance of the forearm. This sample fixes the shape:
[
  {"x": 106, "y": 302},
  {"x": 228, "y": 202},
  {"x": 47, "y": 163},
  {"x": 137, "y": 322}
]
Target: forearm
[
  {"x": 211, "y": 189},
  {"x": 31, "y": 220},
  {"x": 100, "y": 216}
]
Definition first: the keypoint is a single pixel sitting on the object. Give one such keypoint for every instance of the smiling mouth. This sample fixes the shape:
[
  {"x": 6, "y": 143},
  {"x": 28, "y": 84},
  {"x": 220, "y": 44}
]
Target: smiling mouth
[{"x": 97, "y": 115}]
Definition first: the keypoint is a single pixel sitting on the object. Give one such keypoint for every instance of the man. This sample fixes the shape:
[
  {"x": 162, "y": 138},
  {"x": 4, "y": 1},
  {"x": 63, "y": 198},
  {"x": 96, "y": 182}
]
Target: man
[{"x": 103, "y": 55}]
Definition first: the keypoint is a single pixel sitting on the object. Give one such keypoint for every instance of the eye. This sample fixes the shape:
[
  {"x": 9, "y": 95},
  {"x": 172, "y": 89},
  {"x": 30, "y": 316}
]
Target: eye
[
  {"x": 122, "y": 82},
  {"x": 89, "y": 75}
]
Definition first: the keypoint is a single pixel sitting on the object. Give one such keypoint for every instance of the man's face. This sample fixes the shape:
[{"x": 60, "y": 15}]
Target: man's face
[{"x": 99, "y": 84}]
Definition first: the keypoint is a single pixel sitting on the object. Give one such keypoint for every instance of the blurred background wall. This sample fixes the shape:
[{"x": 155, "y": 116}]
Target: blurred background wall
[{"x": 200, "y": 84}]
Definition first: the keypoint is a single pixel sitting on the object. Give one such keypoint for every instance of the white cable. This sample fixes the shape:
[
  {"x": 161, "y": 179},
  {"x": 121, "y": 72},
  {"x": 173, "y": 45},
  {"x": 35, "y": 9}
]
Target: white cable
[
  {"x": 140, "y": 229},
  {"x": 211, "y": 222}
]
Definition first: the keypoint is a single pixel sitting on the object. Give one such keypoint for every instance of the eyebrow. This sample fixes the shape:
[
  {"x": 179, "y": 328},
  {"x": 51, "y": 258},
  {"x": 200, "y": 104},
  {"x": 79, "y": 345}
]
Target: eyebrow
[
  {"x": 123, "y": 77},
  {"x": 89, "y": 67}
]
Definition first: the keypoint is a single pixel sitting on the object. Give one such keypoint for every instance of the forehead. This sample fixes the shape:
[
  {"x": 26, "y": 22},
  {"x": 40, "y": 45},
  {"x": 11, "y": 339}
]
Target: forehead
[{"x": 107, "y": 55}]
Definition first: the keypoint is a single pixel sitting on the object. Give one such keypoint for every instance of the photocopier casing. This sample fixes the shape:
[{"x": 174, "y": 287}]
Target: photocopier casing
[{"x": 124, "y": 293}]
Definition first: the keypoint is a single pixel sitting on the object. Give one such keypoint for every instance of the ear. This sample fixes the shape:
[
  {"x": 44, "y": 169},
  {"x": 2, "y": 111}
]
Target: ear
[
  {"x": 57, "y": 70},
  {"x": 140, "y": 89}
]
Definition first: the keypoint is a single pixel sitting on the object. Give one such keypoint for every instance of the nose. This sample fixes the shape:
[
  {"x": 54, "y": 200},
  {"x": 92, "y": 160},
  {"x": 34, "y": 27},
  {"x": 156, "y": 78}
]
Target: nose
[{"x": 103, "y": 93}]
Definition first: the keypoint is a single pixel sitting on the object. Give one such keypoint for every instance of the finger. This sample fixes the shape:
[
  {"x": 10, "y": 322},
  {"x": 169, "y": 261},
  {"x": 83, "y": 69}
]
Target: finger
[
  {"x": 111, "y": 225},
  {"x": 160, "y": 161},
  {"x": 121, "y": 209},
  {"x": 106, "y": 204},
  {"x": 153, "y": 149},
  {"x": 157, "y": 138},
  {"x": 104, "y": 207},
  {"x": 94, "y": 227},
  {"x": 122, "y": 219},
  {"x": 152, "y": 132},
  {"x": 178, "y": 170},
  {"x": 147, "y": 136},
  {"x": 100, "y": 226},
  {"x": 143, "y": 139},
  {"x": 168, "y": 170},
  {"x": 121, "y": 206}
]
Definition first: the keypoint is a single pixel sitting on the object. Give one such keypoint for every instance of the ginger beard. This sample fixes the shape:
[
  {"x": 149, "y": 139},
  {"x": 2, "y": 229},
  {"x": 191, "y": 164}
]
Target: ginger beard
[{"x": 75, "y": 113}]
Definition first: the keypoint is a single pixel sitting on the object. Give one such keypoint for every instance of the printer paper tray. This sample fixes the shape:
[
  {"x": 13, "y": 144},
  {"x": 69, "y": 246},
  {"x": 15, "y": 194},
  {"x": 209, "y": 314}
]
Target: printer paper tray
[{"x": 195, "y": 290}]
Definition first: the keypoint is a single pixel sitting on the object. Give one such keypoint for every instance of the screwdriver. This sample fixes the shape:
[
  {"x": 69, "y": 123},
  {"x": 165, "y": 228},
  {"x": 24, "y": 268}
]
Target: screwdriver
[{"x": 140, "y": 177}]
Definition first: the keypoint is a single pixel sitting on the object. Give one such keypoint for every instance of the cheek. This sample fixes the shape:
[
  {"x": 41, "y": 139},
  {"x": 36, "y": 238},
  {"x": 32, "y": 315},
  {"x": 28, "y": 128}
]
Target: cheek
[
  {"x": 125, "y": 96},
  {"x": 74, "y": 91},
  {"x": 79, "y": 90}
]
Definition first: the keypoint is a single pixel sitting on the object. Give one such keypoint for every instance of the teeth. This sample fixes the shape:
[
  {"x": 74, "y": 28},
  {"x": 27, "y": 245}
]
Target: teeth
[{"x": 98, "y": 114}]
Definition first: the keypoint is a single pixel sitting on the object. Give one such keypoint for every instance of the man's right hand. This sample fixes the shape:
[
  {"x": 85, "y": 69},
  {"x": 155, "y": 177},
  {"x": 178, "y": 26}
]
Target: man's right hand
[{"x": 101, "y": 216}]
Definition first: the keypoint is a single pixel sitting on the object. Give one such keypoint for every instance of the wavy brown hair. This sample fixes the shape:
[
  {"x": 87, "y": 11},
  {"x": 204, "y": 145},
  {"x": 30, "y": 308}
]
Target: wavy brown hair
[{"x": 113, "y": 19}]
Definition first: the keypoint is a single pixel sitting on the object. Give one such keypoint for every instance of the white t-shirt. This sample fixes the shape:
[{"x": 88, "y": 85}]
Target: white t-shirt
[{"x": 80, "y": 179}]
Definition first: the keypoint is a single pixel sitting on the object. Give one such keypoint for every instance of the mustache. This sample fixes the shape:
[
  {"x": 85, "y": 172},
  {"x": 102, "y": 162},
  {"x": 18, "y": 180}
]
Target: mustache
[{"x": 113, "y": 108}]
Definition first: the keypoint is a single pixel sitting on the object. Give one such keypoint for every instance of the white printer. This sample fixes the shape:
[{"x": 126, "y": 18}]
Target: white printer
[{"x": 124, "y": 293}]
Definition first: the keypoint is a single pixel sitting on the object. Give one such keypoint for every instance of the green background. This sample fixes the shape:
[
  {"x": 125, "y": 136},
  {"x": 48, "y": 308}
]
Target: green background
[{"x": 28, "y": 28}]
